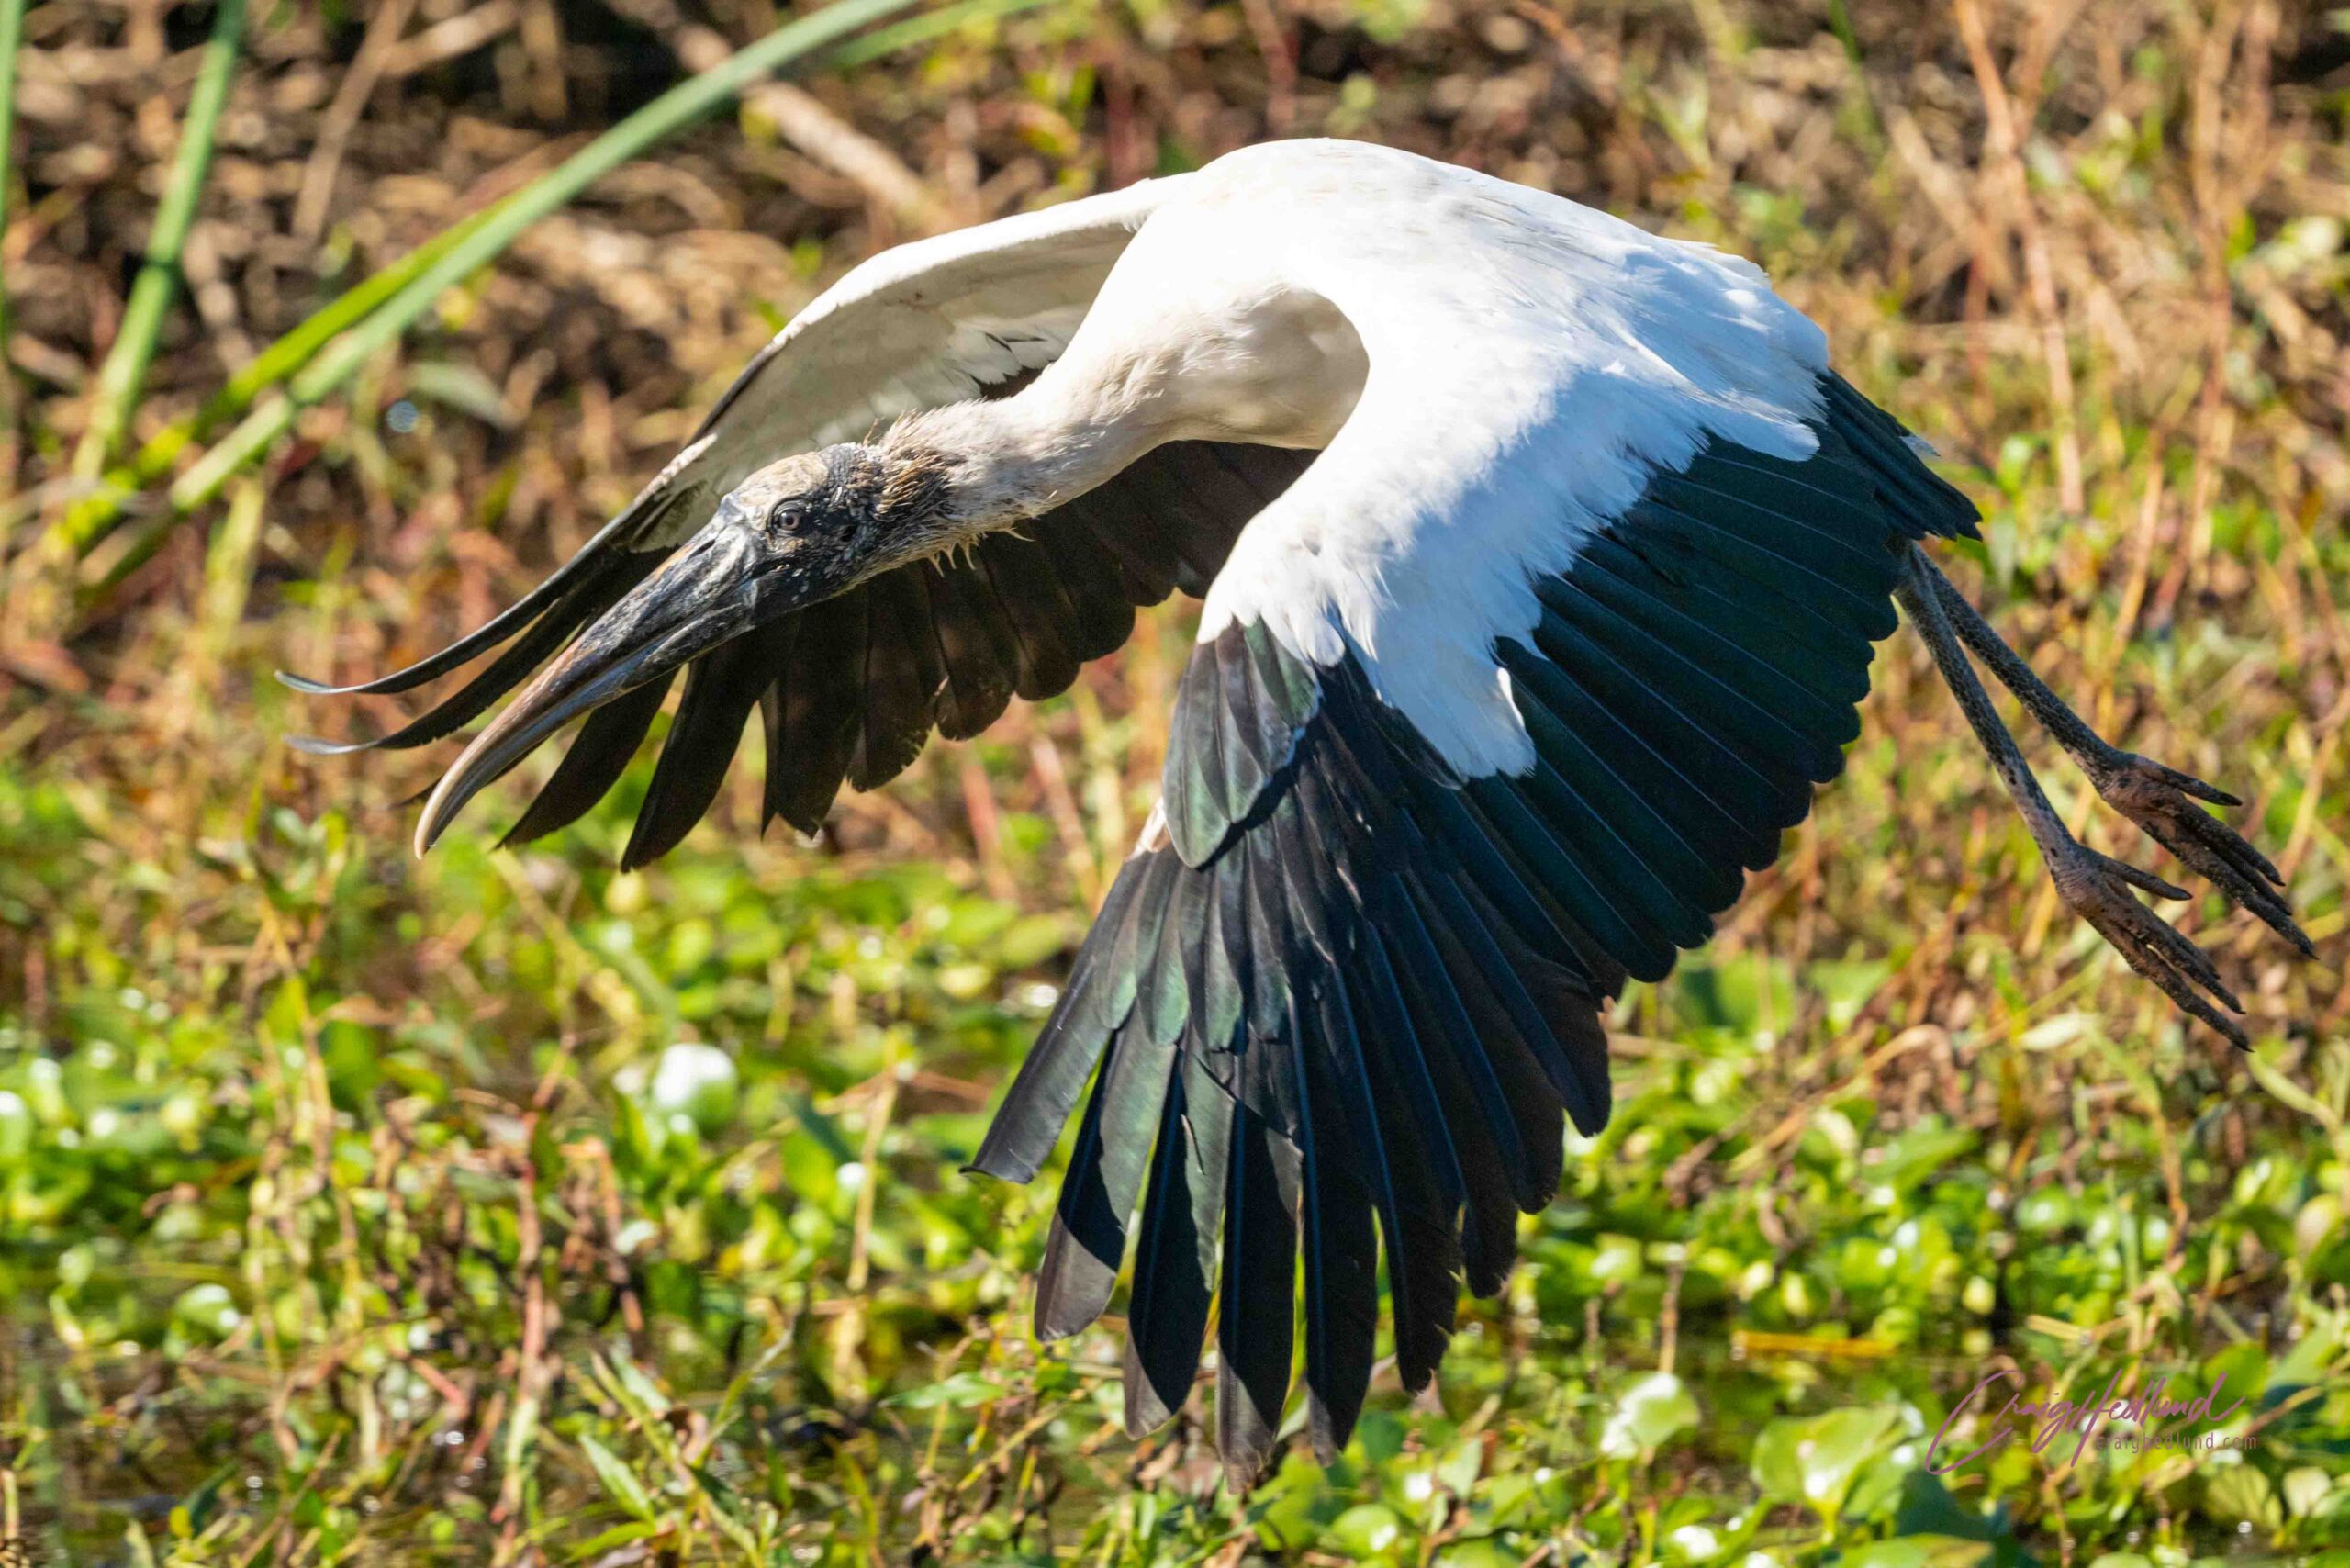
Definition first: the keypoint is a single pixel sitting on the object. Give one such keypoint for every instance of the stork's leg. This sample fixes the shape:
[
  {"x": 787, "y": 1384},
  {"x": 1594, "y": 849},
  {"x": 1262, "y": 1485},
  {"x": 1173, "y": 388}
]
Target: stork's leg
[
  {"x": 2154, "y": 797},
  {"x": 2095, "y": 887}
]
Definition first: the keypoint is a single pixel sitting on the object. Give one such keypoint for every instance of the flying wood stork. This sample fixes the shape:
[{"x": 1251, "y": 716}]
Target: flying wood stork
[{"x": 1541, "y": 560}]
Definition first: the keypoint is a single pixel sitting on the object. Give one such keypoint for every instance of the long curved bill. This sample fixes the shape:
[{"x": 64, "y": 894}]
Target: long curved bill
[{"x": 705, "y": 595}]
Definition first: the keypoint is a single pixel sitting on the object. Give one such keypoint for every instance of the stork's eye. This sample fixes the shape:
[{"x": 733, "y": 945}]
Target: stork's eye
[{"x": 790, "y": 516}]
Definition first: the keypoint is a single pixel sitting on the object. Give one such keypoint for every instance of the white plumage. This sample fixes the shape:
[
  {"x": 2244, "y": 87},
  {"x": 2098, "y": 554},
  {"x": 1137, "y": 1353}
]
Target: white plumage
[
  {"x": 1530, "y": 363},
  {"x": 1511, "y": 350},
  {"x": 921, "y": 325}
]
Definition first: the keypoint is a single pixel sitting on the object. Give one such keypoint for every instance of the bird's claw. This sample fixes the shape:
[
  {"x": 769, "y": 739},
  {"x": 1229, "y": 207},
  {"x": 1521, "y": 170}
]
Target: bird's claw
[
  {"x": 2162, "y": 800},
  {"x": 2097, "y": 887},
  {"x": 2142, "y": 880},
  {"x": 2119, "y": 768}
]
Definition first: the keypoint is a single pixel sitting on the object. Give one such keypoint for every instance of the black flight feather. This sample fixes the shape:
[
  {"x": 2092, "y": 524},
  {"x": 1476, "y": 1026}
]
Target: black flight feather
[
  {"x": 1757, "y": 504},
  {"x": 1100, "y": 996},
  {"x": 594, "y": 595},
  {"x": 1046, "y": 659},
  {"x": 1341, "y": 1247},
  {"x": 976, "y": 645},
  {"x": 817, "y": 698},
  {"x": 1763, "y": 561},
  {"x": 1729, "y": 660},
  {"x": 1417, "y": 1195},
  {"x": 1256, "y": 1326},
  {"x": 903, "y": 677},
  {"x": 721, "y": 691},
  {"x": 1145, "y": 555},
  {"x": 1727, "y": 831},
  {"x": 1640, "y": 866},
  {"x": 1831, "y": 665},
  {"x": 601, "y": 557},
  {"x": 1770, "y": 739},
  {"x": 597, "y": 757},
  {"x": 1920, "y": 497},
  {"x": 1661, "y": 711},
  {"x": 1088, "y": 1242},
  {"x": 1087, "y": 574},
  {"x": 1175, "y": 1253},
  {"x": 1448, "y": 1105}
]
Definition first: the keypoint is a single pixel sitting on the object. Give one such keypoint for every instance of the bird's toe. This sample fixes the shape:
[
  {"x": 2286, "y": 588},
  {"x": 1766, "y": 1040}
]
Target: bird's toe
[
  {"x": 2097, "y": 887},
  {"x": 2162, "y": 800}
]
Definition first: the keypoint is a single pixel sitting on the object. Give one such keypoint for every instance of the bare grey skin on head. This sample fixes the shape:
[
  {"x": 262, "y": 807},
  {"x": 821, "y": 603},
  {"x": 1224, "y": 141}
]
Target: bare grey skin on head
[{"x": 796, "y": 533}]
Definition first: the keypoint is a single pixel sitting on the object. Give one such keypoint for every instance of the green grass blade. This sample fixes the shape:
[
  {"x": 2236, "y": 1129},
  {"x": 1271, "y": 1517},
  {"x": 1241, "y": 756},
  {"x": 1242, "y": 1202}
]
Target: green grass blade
[
  {"x": 97, "y": 514},
  {"x": 673, "y": 111},
  {"x": 292, "y": 352},
  {"x": 10, "y": 43},
  {"x": 12, "y": 33},
  {"x": 921, "y": 30},
  {"x": 125, "y": 371},
  {"x": 476, "y": 244}
]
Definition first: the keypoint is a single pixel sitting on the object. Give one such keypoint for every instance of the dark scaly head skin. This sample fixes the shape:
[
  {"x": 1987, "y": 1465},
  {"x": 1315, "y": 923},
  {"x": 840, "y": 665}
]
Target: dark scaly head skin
[
  {"x": 826, "y": 521},
  {"x": 794, "y": 533}
]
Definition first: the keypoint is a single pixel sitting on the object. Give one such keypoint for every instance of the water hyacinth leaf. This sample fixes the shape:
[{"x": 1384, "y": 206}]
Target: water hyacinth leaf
[
  {"x": 1648, "y": 1412},
  {"x": 1845, "y": 986},
  {"x": 1923, "y": 1552},
  {"x": 1366, "y": 1530},
  {"x": 961, "y": 1392},
  {"x": 698, "y": 1082},
  {"x": 2239, "y": 1382},
  {"x": 1479, "y": 1551},
  {"x": 1916, "y": 1155},
  {"x": 1928, "y": 1508},
  {"x": 2305, "y": 1490},
  {"x": 2243, "y": 1494},
  {"x": 207, "y": 1310},
  {"x": 1814, "y": 1460},
  {"x": 2317, "y": 1350}
]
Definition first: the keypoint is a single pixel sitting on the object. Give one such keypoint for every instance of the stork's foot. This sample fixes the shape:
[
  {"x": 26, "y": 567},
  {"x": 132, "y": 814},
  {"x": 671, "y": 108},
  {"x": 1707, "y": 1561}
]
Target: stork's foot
[
  {"x": 2162, "y": 800},
  {"x": 2097, "y": 887}
]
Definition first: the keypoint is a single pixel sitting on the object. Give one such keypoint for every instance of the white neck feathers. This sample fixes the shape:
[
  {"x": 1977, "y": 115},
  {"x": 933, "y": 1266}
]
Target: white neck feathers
[{"x": 1006, "y": 460}]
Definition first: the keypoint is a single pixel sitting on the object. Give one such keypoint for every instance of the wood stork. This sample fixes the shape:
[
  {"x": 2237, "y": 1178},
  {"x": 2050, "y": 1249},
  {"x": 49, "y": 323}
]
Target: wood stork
[{"x": 1541, "y": 561}]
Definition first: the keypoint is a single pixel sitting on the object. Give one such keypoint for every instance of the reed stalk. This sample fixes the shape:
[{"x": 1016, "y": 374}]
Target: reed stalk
[
  {"x": 330, "y": 352},
  {"x": 152, "y": 292},
  {"x": 12, "y": 34}
]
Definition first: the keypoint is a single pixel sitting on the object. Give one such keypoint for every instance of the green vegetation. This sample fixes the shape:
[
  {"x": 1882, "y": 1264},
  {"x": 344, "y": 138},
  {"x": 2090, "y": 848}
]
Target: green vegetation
[{"x": 502, "y": 1207}]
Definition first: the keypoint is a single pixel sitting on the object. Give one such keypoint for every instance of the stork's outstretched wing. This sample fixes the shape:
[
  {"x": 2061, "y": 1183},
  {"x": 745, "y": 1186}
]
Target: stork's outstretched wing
[
  {"x": 1491, "y": 710},
  {"x": 1343, "y": 992},
  {"x": 851, "y": 690}
]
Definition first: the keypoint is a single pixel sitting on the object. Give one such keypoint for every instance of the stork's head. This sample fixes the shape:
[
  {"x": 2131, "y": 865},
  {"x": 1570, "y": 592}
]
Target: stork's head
[
  {"x": 800, "y": 531},
  {"x": 794, "y": 533}
]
